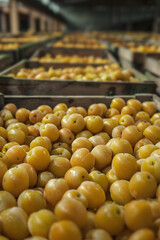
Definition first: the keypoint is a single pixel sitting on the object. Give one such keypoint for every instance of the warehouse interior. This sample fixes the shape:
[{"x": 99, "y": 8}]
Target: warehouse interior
[
  {"x": 136, "y": 15},
  {"x": 79, "y": 119}
]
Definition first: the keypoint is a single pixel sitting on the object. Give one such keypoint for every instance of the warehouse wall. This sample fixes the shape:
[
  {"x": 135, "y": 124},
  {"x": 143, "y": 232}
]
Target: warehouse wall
[{"x": 28, "y": 18}]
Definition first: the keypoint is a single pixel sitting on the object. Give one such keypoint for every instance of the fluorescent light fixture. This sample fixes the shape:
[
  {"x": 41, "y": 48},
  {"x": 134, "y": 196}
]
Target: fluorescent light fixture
[
  {"x": 54, "y": 7},
  {"x": 51, "y": 5},
  {"x": 45, "y": 2}
]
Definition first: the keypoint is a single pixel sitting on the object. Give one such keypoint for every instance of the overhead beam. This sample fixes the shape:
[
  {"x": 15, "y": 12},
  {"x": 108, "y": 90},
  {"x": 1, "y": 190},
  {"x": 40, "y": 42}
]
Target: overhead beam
[
  {"x": 3, "y": 26},
  {"x": 38, "y": 6},
  {"x": 14, "y": 17}
]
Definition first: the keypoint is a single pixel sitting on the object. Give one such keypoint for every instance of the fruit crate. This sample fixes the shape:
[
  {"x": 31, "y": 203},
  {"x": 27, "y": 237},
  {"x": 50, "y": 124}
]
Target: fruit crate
[
  {"x": 26, "y": 50},
  {"x": 90, "y": 50},
  {"x": 75, "y": 49},
  {"x": 112, "y": 46},
  {"x": 10, "y": 85},
  {"x": 14, "y": 55},
  {"x": 135, "y": 59},
  {"x": 152, "y": 68},
  {"x": 69, "y": 52},
  {"x": 53, "y": 39},
  {"x": 5, "y": 61},
  {"x": 113, "y": 49},
  {"x": 152, "y": 64},
  {"x": 32, "y": 102}
]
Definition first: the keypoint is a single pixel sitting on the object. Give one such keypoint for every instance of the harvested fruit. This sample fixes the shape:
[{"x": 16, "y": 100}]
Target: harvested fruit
[
  {"x": 3, "y": 169},
  {"x": 138, "y": 214},
  {"x": 7, "y": 200},
  {"x": 83, "y": 158},
  {"x": 93, "y": 192},
  {"x": 59, "y": 166},
  {"x": 110, "y": 217},
  {"x": 38, "y": 157},
  {"x": 102, "y": 155},
  {"x": 142, "y": 185},
  {"x": 71, "y": 59},
  {"x": 43, "y": 178},
  {"x": 88, "y": 44},
  {"x": 31, "y": 201},
  {"x": 71, "y": 209},
  {"x": 143, "y": 234},
  {"x": 98, "y": 234},
  {"x": 120, "y": 192},
  {"x": 15, "y": 155},
  {"x": 75, "y": 176},
  {"x": 108, "y": 72},
  {"x": 152, "y": 165},
  {"x": 79, "y": 175},
  {"x": 81, "y": 142},
  {"x": 15, "y": 180},
  {"x": 120, "y": 145},
  {"x": 54, "y": 190},
  {"x": 65, "y": 230},
  {"x": 74, "y": 194},
  {"x": 14, "y": 223},
  {"x": 100, "y": 178},
  {"x": 39, "y": 222},
  {"x": 124, "y": 165}
]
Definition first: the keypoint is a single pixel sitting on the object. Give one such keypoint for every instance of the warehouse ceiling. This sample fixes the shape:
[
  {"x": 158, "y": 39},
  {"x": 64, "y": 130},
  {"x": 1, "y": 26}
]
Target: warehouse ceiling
[
  {"x": 106, "y": 14},
  {"x": 101, "y": 14},
  {"x": 104, "y": 2}
]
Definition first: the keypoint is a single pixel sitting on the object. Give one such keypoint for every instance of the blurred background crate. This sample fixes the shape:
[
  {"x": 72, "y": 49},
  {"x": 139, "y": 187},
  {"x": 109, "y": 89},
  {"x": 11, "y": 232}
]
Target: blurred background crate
[{"x": 10, "y": 84}]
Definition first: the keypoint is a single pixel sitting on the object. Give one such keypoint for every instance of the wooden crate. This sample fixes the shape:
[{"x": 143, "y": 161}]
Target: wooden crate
[
  {"x": 115, "y": 49},
  {"x": 136, "y": 59},
  {"x": 74, "y": 49},
  {"x": 9, "y": 85},
  {"x": 23, "y": 52},
  {"x": 26, "y": 50},
  {"x": 152, "y": 68},
  {"x": 5, "y": 61},
  {"x": 133, "y": 57},
  {"x": 14, "y": 55},
  {"x": 32, "y": 102},
  {"x": 152, "y": 64},
  {"x": 69, "y": 52}
]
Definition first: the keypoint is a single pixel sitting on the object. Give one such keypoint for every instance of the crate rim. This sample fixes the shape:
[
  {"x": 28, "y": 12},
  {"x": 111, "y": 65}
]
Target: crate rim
[
  {"x": 140, "y": 96},
  {"x": 24, "y": 61}
]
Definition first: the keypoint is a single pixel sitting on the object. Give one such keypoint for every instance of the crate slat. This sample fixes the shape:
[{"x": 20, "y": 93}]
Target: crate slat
[
  {"x": 5, "y": 61},
  {"x": 64, "y": 51},
  {"x": 152, "y": 64},
  {"x": 32, "y": 102},
  {"x": 9, "y": 85}
]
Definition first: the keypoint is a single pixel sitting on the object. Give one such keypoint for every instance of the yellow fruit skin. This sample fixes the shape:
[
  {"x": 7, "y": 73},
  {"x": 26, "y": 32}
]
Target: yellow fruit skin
[{"x": 14, "y": 223}]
